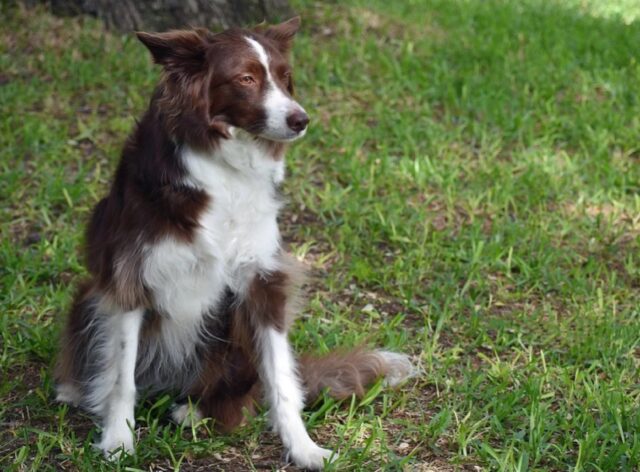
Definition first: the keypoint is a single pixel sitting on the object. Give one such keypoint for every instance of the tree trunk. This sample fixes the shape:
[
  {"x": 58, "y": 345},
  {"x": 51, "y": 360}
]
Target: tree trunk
[{"x": 161, "y": 15}]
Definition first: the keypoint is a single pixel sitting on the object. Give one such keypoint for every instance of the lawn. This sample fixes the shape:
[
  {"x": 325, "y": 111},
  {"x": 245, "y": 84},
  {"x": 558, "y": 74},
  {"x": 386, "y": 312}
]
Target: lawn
[{"x": 469, "y": 192}]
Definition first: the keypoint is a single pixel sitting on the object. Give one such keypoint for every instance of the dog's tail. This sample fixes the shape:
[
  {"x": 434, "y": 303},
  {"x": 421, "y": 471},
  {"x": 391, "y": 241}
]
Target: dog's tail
[{"x": 347, "y": 373}]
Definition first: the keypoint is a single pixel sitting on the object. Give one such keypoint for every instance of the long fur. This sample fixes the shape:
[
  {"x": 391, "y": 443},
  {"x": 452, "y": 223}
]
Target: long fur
[{"x": 190, "y": 291}]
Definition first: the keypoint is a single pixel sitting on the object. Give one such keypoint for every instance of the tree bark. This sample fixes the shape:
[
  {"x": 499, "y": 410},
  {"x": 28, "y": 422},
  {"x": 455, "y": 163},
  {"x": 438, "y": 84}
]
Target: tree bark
[{"x": 162, "y": 15}]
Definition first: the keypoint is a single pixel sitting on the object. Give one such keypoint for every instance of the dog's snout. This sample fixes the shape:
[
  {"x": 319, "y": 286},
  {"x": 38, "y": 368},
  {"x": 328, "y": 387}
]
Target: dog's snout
[{"x": 298, "y": 121}]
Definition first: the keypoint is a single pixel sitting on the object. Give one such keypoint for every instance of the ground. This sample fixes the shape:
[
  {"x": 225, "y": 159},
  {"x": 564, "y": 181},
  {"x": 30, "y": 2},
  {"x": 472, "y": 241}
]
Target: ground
[{"x": 468, "y": 193}]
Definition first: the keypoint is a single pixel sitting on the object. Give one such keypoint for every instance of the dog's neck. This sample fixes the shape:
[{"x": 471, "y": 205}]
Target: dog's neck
[{"x": 242, "y": 155}]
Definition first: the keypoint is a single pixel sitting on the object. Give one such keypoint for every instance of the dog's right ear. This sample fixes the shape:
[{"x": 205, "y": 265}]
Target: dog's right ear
[
  {"x": 283, "y": 33},
  {"x": 178, "y": 49}
]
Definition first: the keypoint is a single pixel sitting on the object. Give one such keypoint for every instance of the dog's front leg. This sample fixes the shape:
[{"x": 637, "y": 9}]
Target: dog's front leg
[
  {"x": 119, "y": 376},
  {"x": 285, "y": 398}
]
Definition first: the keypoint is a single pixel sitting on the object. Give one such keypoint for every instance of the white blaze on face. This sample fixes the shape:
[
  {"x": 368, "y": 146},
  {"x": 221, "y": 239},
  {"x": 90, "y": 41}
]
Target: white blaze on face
[{"x": 278, "y": 106}]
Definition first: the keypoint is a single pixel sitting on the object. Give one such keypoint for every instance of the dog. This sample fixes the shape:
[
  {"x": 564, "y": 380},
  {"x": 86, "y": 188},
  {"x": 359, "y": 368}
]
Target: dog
[{"x": 190, "y": 290}]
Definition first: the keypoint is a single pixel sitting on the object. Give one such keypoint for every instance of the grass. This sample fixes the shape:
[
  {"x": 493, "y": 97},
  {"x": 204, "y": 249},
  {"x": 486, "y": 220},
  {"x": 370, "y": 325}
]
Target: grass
[{"x": 469, "y": 192}]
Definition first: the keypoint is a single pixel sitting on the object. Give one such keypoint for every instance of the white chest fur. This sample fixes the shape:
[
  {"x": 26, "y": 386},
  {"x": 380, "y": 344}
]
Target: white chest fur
[{"x": 238, "y": 232}]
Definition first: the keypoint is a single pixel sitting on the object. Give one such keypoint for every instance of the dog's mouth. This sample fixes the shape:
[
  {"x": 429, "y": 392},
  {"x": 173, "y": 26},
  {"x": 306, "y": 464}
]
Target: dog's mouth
[
  {"x": 280, "y": 134},
  {"x": 288, "y": 137}
]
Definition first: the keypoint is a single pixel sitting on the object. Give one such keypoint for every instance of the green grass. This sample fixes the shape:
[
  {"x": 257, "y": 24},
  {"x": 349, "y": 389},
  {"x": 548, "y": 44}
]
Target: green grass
[{"x": 469, "y": 192}]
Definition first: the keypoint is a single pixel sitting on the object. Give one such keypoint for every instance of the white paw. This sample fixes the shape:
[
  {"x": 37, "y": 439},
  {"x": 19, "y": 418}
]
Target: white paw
[
  {"x": 186, "y": 415},
  {"x": 400, "y": 368},
  {"x": 115, "y": 441},
  {"x": 67, "y": 393},
  {"x": 310, "y": 456}
]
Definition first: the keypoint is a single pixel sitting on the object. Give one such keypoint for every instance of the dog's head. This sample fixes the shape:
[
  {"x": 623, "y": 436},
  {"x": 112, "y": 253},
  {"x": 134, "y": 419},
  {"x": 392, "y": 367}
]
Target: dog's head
[{"x": 237, "y": 78}]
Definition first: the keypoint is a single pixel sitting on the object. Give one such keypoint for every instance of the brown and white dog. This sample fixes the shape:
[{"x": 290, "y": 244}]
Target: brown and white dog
[{"x": 190, "y": 290}]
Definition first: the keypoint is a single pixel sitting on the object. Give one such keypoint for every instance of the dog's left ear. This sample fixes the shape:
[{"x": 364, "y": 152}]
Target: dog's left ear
[{"x": 283, "y": 33}]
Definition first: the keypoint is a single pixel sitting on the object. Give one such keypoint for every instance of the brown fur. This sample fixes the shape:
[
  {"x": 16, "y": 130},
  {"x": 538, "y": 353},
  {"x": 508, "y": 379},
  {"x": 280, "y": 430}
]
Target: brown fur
[
  {"x": 273, "y": 298},
  {"x": 228, "y": 384},
  {"x": 72, "y": 356},
  {"x": 192, "y": 105},
  {"x": 196, "y": 100},
  {"x": 228, "y": 381},
  {"x": 146, "y": 203},
  {"x": 342, "y": 374}
]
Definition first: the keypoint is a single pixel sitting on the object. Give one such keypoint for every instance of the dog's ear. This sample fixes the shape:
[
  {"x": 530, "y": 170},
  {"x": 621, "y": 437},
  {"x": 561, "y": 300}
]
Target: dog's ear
[
  {"x": 283, "y": 33},
  {"x": 178, "y": 49}
]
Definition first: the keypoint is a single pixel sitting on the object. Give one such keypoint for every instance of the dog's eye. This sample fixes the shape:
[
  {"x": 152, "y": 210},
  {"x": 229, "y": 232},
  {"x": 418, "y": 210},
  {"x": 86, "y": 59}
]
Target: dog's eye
[{"x": 247, "y": 80}]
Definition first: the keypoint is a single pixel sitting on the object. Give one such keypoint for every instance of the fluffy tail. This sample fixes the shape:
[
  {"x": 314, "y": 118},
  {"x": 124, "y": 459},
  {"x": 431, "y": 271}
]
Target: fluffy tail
[{"x": 347, "y": 373}]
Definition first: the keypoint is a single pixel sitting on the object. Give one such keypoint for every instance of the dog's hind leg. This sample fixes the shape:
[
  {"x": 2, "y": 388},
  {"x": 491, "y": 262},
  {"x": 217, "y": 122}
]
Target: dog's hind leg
[
  {"x": 227, "y": 389},
  {"x": 227, "y": 386}
]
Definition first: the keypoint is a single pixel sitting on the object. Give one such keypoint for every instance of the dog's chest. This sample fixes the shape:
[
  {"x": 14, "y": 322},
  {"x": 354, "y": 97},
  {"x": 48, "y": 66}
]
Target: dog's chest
[{"x": 237, "y": 236}]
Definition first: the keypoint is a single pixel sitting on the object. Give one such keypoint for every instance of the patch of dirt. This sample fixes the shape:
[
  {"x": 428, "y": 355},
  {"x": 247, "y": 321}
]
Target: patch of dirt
[
  {"x": 28, "y": 413},
  {"x": 623, "y": 233}
]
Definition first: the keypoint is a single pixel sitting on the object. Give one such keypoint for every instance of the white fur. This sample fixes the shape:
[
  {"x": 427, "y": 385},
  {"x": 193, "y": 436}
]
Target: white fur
[
  {"x": 121, "y": 399},
  {"x": 186, "y": 414},
  {"x": 238, "y": 233},
  {"x": 238, "y": 237},
  {"x": 284, "y": 396},
  {"x": 105, "y": 343},
  {"x": 239, "y": 230},
  {"x": 277, "y": 104},
  {"x": 400, "y": 367},
  {"x": 67, "y": 393},
  {"x": 185, "y": 281}
]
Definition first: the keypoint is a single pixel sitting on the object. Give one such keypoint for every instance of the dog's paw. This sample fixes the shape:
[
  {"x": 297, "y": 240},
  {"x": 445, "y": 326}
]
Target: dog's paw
[
  {"x": 67, "y": 393},
  {"x": 116, "y": 441},
  {"x": 186, "y": 415},
  {"x": 400, "y": 367},
  {"x": 310, "y": 456}
]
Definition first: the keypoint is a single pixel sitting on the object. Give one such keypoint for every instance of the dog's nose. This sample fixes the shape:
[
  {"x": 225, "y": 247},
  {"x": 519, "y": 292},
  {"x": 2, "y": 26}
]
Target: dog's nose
[{"x": 297, "y": 121}]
